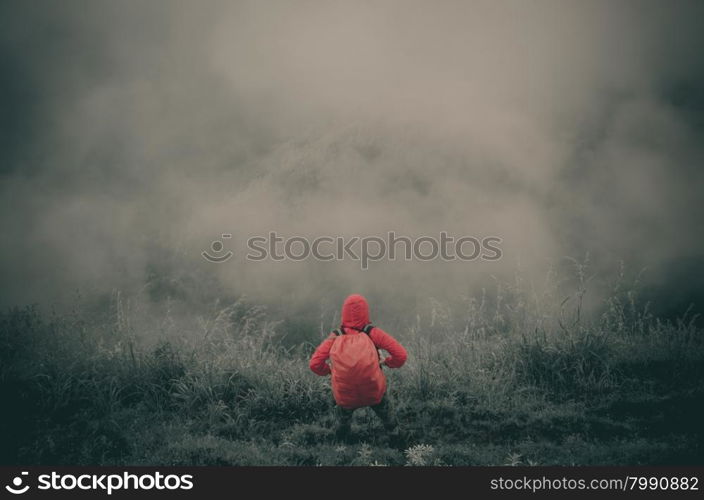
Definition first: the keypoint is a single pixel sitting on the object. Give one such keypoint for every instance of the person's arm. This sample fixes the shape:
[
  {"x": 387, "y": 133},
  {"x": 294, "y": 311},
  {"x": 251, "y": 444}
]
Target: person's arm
[
  {"x": 318, "y": 361},
  {"x": 382, "y": 340}
]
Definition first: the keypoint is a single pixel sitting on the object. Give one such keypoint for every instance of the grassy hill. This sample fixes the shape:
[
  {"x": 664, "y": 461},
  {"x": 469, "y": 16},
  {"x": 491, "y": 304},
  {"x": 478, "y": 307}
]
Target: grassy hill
[{"x": 527, "y": 380}]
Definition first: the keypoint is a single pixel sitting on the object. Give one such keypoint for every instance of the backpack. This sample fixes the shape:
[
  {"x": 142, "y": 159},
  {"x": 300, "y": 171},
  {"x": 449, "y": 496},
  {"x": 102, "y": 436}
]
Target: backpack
[{"x": 357, "y": 379}]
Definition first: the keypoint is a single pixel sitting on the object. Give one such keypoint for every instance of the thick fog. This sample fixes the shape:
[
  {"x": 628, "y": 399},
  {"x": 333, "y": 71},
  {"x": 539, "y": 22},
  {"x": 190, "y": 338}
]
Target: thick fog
[{"x": 133, "y": 134}]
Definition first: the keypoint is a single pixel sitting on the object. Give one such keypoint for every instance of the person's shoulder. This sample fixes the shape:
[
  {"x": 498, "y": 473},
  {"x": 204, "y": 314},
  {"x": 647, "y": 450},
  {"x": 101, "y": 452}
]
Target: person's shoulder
[{"x": 377, "y": 332}]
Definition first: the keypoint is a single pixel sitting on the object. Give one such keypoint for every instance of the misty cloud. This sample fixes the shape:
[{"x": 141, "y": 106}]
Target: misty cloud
[{"x": 134, "y": 134}]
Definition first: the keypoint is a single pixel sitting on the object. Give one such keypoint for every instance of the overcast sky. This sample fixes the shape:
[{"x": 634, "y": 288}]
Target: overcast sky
[{"x": 132, "y": 134}]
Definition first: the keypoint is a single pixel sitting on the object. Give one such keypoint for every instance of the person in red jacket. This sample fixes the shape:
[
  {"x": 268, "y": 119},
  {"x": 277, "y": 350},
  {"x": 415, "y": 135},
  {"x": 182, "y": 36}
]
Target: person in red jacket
[{"x": 355, "y": 365}]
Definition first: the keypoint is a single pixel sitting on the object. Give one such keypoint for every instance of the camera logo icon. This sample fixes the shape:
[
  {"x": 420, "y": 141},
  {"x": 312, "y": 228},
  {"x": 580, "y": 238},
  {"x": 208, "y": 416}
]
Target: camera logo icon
[
  {"x": 217, "y": 247},
  {"x": 16, "y": 488}
]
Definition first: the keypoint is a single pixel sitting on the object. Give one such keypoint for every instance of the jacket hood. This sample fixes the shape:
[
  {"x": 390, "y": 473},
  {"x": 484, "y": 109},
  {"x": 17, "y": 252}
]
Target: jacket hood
[{"x": 355, "y": 311}]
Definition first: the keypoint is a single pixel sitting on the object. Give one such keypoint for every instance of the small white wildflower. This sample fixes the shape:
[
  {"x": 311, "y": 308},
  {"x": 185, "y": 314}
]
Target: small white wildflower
[
  {"x": 365, "y": 452},
  {"x": 419, "y": 454},
  {"x": 513, "y": 459}
]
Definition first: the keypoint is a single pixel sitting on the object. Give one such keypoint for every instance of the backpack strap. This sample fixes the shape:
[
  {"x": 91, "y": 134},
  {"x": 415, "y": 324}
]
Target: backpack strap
[{"x": 366, "y": 329}]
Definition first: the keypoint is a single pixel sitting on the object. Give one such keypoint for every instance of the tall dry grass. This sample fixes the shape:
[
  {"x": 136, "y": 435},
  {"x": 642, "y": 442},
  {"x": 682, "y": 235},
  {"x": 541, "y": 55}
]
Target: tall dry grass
[{"x": 514, "y": 375}]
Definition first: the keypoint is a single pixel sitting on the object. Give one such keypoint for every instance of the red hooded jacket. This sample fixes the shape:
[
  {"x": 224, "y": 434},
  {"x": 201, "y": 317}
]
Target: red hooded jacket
[{"x": 355, "y": 316}]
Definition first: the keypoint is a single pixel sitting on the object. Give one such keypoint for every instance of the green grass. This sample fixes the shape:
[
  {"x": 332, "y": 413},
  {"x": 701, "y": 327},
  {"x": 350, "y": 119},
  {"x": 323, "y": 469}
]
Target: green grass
[{"x": 527, "y": 380}]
